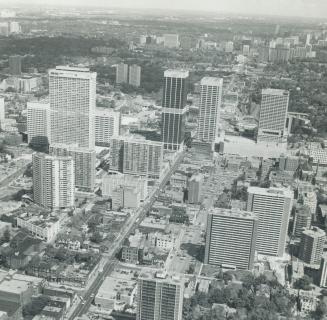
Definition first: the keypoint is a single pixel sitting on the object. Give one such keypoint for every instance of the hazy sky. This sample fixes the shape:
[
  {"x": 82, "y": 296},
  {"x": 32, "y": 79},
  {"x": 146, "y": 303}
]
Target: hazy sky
[{"x": 309, "y": 8}]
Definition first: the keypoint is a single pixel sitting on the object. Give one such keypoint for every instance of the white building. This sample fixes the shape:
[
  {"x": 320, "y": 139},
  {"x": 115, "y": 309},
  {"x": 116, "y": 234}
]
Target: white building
[
  {"x": 72, "y": 102},
  {"x": 46, "y": 230},
  {"x": 273, "y": 207},
  {"x": 122, "y": 73},
  {"x": 162, "y": 240},
  {"x": 53, "y": 181},
  {"x": 231, "y": 238},
  {"x": 171, "y": 40},
  {"x": 210, "y": 104},
  {"x": 107, "y": 124},
  {"x": 14, "y": 27},
  {"x": 134, "y": 77},
  {"x": 273, "y": 115},
  {"x": 38, "y": 123},
  {"x": 84, "y": 163}
]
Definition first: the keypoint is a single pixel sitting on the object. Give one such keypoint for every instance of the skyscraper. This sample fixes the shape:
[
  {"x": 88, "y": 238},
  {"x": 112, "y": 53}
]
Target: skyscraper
[
  {"x": 136, "y": 156},
  {"x": 72, "y": 103},
  {"x": 38, "y": 123},
  {"x": 122, "y": 73},
  {"x": 273, "y": 115},
  {"x": 231, "y": 238},
  {"x": 134, "y": 77},
  {"x": 195, "y": 188},
  {"x": 210, "y": 103},
  {"x": 53, "y": 181},
  {"x": 273, "y": 207},
  {"x": 312, "y": 245},
  {"x": 159, "y": 297},
  {"x": 15, "y": 65},
  {"x": 107, "y": 124},
  {"x": 84, "y": 163},
  {"x": 174, "y": 108}
]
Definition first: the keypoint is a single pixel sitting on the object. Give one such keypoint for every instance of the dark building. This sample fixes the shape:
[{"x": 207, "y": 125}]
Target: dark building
[{"x": 174, "y": 108}]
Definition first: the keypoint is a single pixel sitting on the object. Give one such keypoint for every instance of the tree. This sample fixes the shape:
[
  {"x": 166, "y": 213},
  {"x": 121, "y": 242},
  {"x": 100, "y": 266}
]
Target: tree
[
  {"x": 96, "y": 237},
  {"x": 303, "y": 283},
  {"x": 35, "y": 306}
]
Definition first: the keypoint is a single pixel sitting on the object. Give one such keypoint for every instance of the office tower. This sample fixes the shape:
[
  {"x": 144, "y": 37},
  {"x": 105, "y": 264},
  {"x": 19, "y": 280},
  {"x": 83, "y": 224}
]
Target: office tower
[
  {"x": 246, "y": 50},
  {"x": 171, "y": 40},
  {"x": 231, "y": 238},
  {"x": 15, "y": 65},
  {"x": 279, "y": 53},
  {"x": 195, "y": 188},
  {"x": 136, "y": 156},
  {"x": 107, "y": 124},
  {"x": 210, "y": 103},
  {"x": 38, "y": 123},
  {"x": 122, "y": 73},
  {"x": 174, "y": 108},
  {"x": 53, "y": 181},
  {"x": 273, "y": 207},
  {"x": 312, "y": 245},
  {"x": 273, "y": 115},
  {"x": 310, "y": 199},
  {"x": 84, "y": 163},
  {"x": 72, "y": 103},
  {"x": 159, "y": 297},
  {"x": 134, "y": 77},
  {"x": 323, "y": 271},
  {"x": 2, "y": 111},
  {"x": 302, "y": 220}
]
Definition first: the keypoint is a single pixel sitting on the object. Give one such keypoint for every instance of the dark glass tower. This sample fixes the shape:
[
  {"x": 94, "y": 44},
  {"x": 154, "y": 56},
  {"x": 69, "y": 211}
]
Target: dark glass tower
[{"x": 174, "y": 108}]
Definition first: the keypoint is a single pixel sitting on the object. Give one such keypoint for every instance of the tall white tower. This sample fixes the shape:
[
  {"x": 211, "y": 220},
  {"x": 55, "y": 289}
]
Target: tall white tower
[
  {"x": 210, "y": 103},
  {"x": 72, "y": 102},
  {"x": 53, "y": 181}
]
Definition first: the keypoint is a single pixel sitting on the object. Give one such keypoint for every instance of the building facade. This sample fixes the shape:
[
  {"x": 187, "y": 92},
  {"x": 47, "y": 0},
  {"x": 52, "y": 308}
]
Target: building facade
[
  {"x": 312, "y": 245},
  {"x": 53, "y": 181},
  {"x": 84, "y": 163},
  {"x": 231, "y": 238},
  {"x": 210, "y": 103},
  {"x": 273, "y": 207},
  {"x": 273, "y": 115},
  {"x": 15, "y": 65},
  {"x": 134, "y": 76},
  {"x": 174, "y": 108},
  {"x": 159, "y": 297},
  {"x": 72, "y": 102},
  {"x": 122, "y": 73},
  {"x": 107, "y": 124},
  {"x": 38, "y": 123}
]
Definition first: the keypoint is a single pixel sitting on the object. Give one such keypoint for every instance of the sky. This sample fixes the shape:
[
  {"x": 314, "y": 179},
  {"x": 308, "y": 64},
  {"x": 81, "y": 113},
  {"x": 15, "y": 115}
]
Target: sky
[{"x": 304, "y": 8}]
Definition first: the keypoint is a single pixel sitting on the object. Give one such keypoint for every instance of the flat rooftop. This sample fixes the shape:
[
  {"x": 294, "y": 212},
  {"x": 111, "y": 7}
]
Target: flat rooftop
[
  {"x": 234, "y": 213},
  {"x": 161, "y": 276},
  {"x": 211, "y": 81},
  {"x": 272, "y": 192},
  {"x": 14, "y": 286},
  {"x": 176, "y": 73},
  {"x": 314, "y": 232},
  {"x": 275, "y": 92}
]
